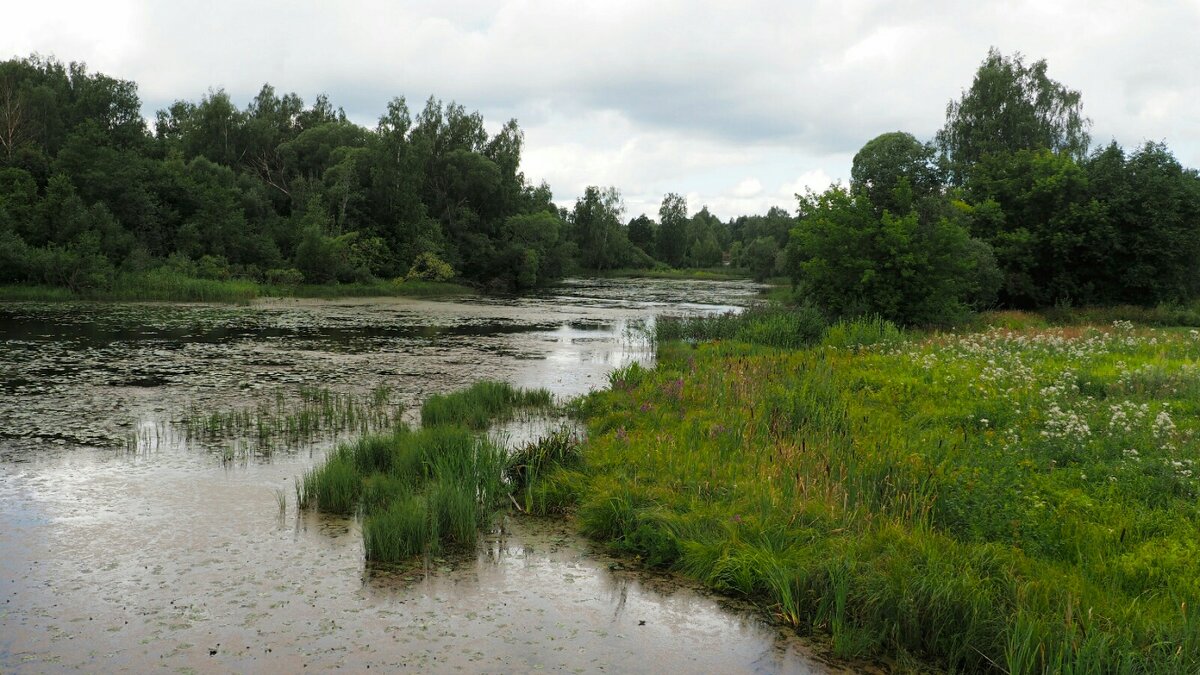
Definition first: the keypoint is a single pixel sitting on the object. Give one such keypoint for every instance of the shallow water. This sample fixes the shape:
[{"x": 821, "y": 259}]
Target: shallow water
[{"x": 157, "y": 554}]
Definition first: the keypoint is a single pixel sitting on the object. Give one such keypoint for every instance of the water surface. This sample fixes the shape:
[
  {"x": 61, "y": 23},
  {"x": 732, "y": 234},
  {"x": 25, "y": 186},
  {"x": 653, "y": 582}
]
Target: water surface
[{"x": 142, "y": 555}]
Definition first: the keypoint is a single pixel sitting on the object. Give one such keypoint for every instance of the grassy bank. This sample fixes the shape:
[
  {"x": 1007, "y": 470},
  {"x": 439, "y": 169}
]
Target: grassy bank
[
  {"x": 1013, "y": 501},
  {"x": 166, "y": 286},
  {"x": 421, "y": 492},
  {"x": 702, "y": 274}
]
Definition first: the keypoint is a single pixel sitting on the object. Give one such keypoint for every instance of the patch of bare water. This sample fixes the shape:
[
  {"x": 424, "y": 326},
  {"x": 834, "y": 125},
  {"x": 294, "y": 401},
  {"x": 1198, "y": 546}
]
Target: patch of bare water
[{"x": 166, "y": 557}]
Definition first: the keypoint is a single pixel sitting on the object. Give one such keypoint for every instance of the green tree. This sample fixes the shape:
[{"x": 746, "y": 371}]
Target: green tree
[
  {"x": 886, "y": 160},
  {"x": 1050, "y": 237},
  {"x": 672, "y": 230},
  {"x": 1010, "y": 107},
  {"x": 642, "y": 231},
  {"x": 851, "y": 261}
]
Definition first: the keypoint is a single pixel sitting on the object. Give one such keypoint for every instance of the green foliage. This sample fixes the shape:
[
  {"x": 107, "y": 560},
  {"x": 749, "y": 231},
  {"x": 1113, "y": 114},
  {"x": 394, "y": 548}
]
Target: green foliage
[
  {"x": 599, "y": 234},
  {"x": 1011, "y": 107},
  {"x": 277, "y": 185},
  {"x": 905, "y": 267},
  {"x": 429, "y": 267},
  {"x": 862, "y": 332},
  {"x": 671, "y": 240},
  {"x": 773, "y": 326},
  {"x": 418, "y": 492},
  {"x": 886, "y": 160}
]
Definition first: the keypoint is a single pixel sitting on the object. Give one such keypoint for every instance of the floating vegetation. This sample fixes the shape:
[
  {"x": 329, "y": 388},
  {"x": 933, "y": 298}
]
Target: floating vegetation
[{"x": 315, "y": 414}]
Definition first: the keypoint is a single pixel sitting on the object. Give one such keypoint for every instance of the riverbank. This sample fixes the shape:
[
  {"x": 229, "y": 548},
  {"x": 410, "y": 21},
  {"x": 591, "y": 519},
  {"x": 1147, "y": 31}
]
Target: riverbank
[
  {"x": 699, "y": 274},
  {"x": 169, "y": 287},
  {"x": 1006, "y": 500}
]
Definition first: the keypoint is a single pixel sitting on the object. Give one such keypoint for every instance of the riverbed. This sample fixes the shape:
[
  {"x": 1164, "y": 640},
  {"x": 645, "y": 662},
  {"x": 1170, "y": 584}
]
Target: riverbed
[{"x": 122, "y": 550}]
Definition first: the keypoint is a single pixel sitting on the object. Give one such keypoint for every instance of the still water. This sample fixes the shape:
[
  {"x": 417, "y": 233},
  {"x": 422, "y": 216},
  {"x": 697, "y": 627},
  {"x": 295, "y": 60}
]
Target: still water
[{"x": 122, "y": 550}]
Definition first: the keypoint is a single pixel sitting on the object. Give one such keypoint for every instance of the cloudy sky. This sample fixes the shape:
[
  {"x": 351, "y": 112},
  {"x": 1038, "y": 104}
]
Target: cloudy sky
[{"x": 737, "y": 105}]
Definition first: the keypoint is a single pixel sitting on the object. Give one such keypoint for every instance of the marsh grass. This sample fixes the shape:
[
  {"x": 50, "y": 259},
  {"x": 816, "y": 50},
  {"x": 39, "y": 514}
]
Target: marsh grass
[
  {"x": 169, "y": 285},
  {"x": 288, "y": 422},
  {"x": 555, "y": 452},
  {"x": 770, "y": 326},
  {"x": 1020, "y": 500},
  {"x": 417, "y": 492},
  {"x": 481, "y": 404}
]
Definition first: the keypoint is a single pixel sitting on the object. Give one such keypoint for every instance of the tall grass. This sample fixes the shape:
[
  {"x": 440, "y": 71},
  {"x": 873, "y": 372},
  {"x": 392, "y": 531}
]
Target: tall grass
[
  {"x": 1018, "y": 501},
  {"x": 772, "y": 326},
  {"x": 418, "y": 492},
  {"x": 480, "y": 404},
  {"x": 168, "y": 285}
]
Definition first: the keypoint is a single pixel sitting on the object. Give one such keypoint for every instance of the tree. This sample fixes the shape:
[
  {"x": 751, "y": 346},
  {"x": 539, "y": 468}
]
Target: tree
[
  {"x": 641, "y": 232},
  {"x": 596, "y": 224},
  {"x": 890, "y": 158},
  {"x": 1151, "y": 207},
  {"x": 907, "y": 269},
  {"x": 1011, "y": 107},
  {"x": 1051, "y": 238},
  {"x": 672, "y": 230}
]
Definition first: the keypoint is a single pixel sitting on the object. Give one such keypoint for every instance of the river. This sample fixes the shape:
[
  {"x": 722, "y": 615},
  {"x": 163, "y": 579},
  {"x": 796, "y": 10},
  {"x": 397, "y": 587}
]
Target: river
[{"x": 124, "y": 546}]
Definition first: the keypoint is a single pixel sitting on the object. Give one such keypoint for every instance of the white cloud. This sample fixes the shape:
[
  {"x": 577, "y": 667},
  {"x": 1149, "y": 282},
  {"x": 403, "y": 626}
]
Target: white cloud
[{"x": 652, "y": 97}]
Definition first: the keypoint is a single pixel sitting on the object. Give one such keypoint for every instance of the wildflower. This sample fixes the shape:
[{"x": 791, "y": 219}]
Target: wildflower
[{"x": 1163, "y": 425}]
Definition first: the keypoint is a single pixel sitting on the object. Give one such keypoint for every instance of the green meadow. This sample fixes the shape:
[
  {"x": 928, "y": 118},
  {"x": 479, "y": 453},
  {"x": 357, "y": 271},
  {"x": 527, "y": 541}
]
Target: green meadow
[{"x": 1019, "y": 499}]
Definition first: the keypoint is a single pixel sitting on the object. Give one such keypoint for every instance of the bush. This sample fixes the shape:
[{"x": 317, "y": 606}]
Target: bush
[
  {"x": 284, "y": 277},
  {"x": 429, "y": 267},
  {"x": 918, "y": 267},
  {"x": 867, "y": 331}
]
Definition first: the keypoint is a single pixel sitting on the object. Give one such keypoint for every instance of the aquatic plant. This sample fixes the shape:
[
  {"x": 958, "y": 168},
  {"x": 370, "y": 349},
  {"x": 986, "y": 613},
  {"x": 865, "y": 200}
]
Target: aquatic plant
[
  {"x": 770, "y": 326},
  {"x": 287, "y": 422},
  {"x": 480, "y": 404},
  {"x": 417, "y": 491}
]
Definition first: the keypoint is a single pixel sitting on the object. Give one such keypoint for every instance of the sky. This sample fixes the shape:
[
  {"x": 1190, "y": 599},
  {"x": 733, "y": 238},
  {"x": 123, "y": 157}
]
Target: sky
[{"x": 736, "y": 105}]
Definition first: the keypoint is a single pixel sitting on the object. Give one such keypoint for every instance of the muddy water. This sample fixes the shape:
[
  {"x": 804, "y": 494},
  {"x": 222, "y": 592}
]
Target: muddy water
[{"x": 157, "y": 555}]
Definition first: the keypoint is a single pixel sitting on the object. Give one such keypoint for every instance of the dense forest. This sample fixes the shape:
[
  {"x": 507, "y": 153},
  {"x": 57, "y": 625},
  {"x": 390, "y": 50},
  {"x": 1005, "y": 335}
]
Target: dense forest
[{"x": 1009, "y": 205}]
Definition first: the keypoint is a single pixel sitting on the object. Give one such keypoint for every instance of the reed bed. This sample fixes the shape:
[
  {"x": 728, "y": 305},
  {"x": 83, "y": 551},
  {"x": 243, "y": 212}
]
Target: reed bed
[
  {"x": 424, "y": 491},
  {"x": 285, "y": 422}
]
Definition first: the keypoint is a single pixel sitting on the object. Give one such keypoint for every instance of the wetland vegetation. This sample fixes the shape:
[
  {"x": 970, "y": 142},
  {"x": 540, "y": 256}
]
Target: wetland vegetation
[
  {"x": 418, "y": 492},
  {"x": 1022, "y": 498}
]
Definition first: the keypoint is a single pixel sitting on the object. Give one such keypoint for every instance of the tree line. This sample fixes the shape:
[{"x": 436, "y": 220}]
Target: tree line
[
  {"x": 285, "y": 192},
  {"x": 1008, "y": 205}
]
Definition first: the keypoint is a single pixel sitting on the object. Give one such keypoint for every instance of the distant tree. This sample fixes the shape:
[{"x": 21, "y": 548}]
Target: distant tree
[
  {"x": 704, "y": 237},
  {"x": 1151, "y": 208},
  {"x": 760, "y": 258},
  {"x": 1051, "y": 239},
  {"x": 641, "y": 233},
  {"x": 596, "y": 224},
  {"x": 672, "y": 230},
  {"x": 1010, "y": 107}
]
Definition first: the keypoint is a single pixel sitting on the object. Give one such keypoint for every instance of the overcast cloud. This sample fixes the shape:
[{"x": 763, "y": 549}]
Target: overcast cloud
[{"x": 736, "y": 105}]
